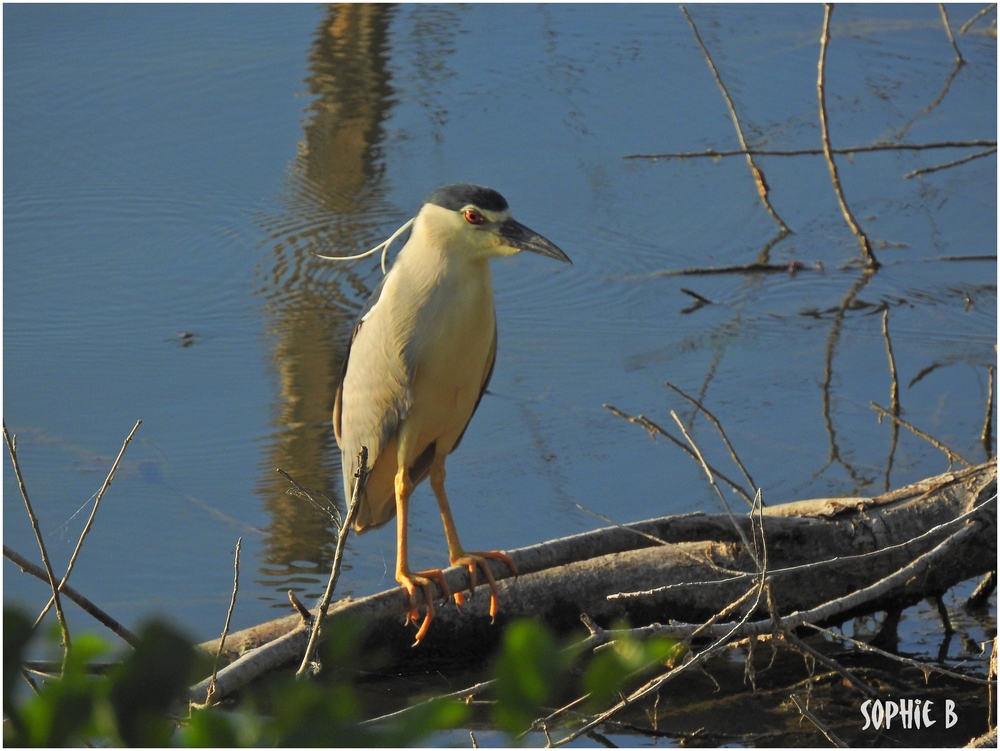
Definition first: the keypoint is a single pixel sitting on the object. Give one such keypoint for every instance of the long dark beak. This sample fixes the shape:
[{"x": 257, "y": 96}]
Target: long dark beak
[{"x": 517, "y": 235}]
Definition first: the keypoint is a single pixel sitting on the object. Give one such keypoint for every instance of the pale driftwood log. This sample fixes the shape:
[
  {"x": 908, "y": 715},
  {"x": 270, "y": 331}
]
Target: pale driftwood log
[{"x": 818, "y": 551}]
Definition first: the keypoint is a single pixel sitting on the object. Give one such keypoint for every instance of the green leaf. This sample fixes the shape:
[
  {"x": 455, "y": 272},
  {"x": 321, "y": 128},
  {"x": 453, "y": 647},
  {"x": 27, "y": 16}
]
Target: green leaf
[
  {"x": 209, "y": 728},
  {"x": 627, "y": 658},
  {"x": 148, "y": 682},
  {"x": 16, "y": 635},
  {"x": 528, "y": 672}
]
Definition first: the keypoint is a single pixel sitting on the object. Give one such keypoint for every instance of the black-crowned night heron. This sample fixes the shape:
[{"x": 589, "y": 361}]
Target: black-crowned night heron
[{"x": 419, "y": 361}]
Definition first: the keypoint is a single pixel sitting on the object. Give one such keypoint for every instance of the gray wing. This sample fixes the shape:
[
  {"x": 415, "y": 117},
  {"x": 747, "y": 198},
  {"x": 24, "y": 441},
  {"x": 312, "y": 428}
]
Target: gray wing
[
  {"x": 491, "y": 361},
  {"x": 338, "y": 403},
  {"x": 374, "y": 393}
]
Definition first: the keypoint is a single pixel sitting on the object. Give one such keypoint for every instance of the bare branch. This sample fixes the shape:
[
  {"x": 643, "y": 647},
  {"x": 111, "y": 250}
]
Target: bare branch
[
  {"x": 12, "y": 450},
  {"x": 722, "y": 432},
  {"x": 758, "y": 174},
  {"x": 225, "y": 629},
  {"x": 653, "y": 429},
  {"x": 301, "y": 609},
  {"x": 804, "y": 649},
  {"x": 711, "y": 479},
  {"x": 359, "y": 484},
  {"x": 980, "y": 14},
  {"x": 830, "y": 735},
  {"x": 866, "y": 246},
  {"x": 951, "y": 38},
  {"x": 716, "y": 154},
  {"x": 925, "y": 666},
  {"x": 946, "y": 165},
  {"x": 987, "y": 434},
  {"x": 657, "y": 683},
  {"x": 757, "y": 267},
  {"x": 952, "y": 455},
  {"x": 90, "y": 521},
  {"x": 893, "y": 395},
  {"x": 67, "y": 591}
]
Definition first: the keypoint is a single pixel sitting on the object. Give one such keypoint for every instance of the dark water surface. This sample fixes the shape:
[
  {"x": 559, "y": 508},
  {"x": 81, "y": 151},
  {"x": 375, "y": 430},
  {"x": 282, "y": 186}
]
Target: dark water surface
[{"x": 169, "y": 170}]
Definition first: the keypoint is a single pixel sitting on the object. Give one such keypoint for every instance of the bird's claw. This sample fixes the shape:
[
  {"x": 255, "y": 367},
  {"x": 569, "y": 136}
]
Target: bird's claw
[
  {"x": 425, "y": 581},
  {"x": 472, "y": 561}
]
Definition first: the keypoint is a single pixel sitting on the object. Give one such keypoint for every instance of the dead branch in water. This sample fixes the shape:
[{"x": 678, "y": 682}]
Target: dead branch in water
[
  {"x": 866, "y": 246},
  {"x": 90, "y": 520},
  {"x": 757, "y": 172},
  {"x": 845, "y": 150},
  {"x": 12, "y": 450},
  {"x": 360, "y": 477},
  {"x": 953, "y": 163},
  {"x": 820, "y": 553},
  {"x": 71, "y": 594}
]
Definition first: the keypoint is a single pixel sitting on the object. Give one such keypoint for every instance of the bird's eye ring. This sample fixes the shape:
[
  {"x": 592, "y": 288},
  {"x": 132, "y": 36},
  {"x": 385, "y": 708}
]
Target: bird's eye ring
[{"x": 473, "y": 217}]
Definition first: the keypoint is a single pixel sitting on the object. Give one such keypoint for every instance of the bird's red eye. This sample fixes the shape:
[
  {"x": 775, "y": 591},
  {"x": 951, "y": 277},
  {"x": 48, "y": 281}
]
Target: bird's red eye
[{"x": 473, "y": 217}]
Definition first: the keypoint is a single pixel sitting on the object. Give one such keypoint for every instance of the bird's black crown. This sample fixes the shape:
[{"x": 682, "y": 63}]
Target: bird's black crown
[{"x": 456, "y": 197}]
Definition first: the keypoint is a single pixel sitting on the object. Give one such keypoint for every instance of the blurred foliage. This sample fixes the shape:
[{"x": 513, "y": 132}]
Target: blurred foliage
[
  {"x": 530, "y": 670},
  {"x": 623, "y": 659},
  {"x": 142, "y": 701}
]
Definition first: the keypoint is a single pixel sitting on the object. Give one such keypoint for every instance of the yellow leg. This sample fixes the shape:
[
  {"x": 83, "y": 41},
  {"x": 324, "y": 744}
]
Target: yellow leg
[
  {"x": 409, "y": 580},
  {"x": 456, "y": 553}
]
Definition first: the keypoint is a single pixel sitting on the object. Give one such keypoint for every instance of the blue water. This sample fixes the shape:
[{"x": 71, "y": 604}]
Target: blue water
[{"x": 168, "y": 171}]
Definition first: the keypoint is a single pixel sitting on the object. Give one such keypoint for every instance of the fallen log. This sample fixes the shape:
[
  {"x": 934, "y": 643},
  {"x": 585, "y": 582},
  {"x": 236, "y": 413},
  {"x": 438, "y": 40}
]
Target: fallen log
[{"x": 681, "y": 568}]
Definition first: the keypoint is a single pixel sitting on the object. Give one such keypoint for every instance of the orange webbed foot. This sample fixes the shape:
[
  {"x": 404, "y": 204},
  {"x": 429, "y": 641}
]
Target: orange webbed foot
[
  {"x": 425, "y": 581},
  {"x": 475, "y": 560}
]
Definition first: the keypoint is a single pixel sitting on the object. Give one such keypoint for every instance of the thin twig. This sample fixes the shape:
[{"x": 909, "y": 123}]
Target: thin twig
[
  {"x": 893, "y": 394},
  {"x": 830, "y": 735},
  {"x": 980, "y": 14},
  {"x": 926, "y": 667},
  {"x": 301, "y": 609},
  {"x": 930, "y": 107},
  {"x": 700, "y": 560},
  {"x": 981, "y": 595},
  {"x": 464, "y": 693},
  {"x": 653, "y": 429},
  {"x": 90, "y": 521},
  {"x": 12, "y": 450},
  {"x": 952, "y": 455},
  {"x": 987, "y": 434},
  {"x": 225, "y": 629},
  {"x": 725, "y": 612},
  {"x": 68, "y": 592},
  {"x": 802, "y": 648},
  {"x": 544, "y": 721},
  {"x": 757, "y": 267},
  {"x": 866, "y": 246},
  {"x": 894, "y": 391},
  {"x": 758, "y": 174},
  {"x": 301, "y": 491},
  {"x": 361, "y": 477},
  {"x": 472, "y": 736},
  {"x": 951, "y": 38},
  {"x": 832, "y": 341},
  {"x": 722, "y": 432},
  {"x": 715, "y": 154},
  {"x": 30, "y": 681},
  {"x": 657, "y": 683},
  {"x": 946, "y": 165},
  {"x": 715, "y": 486}
]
